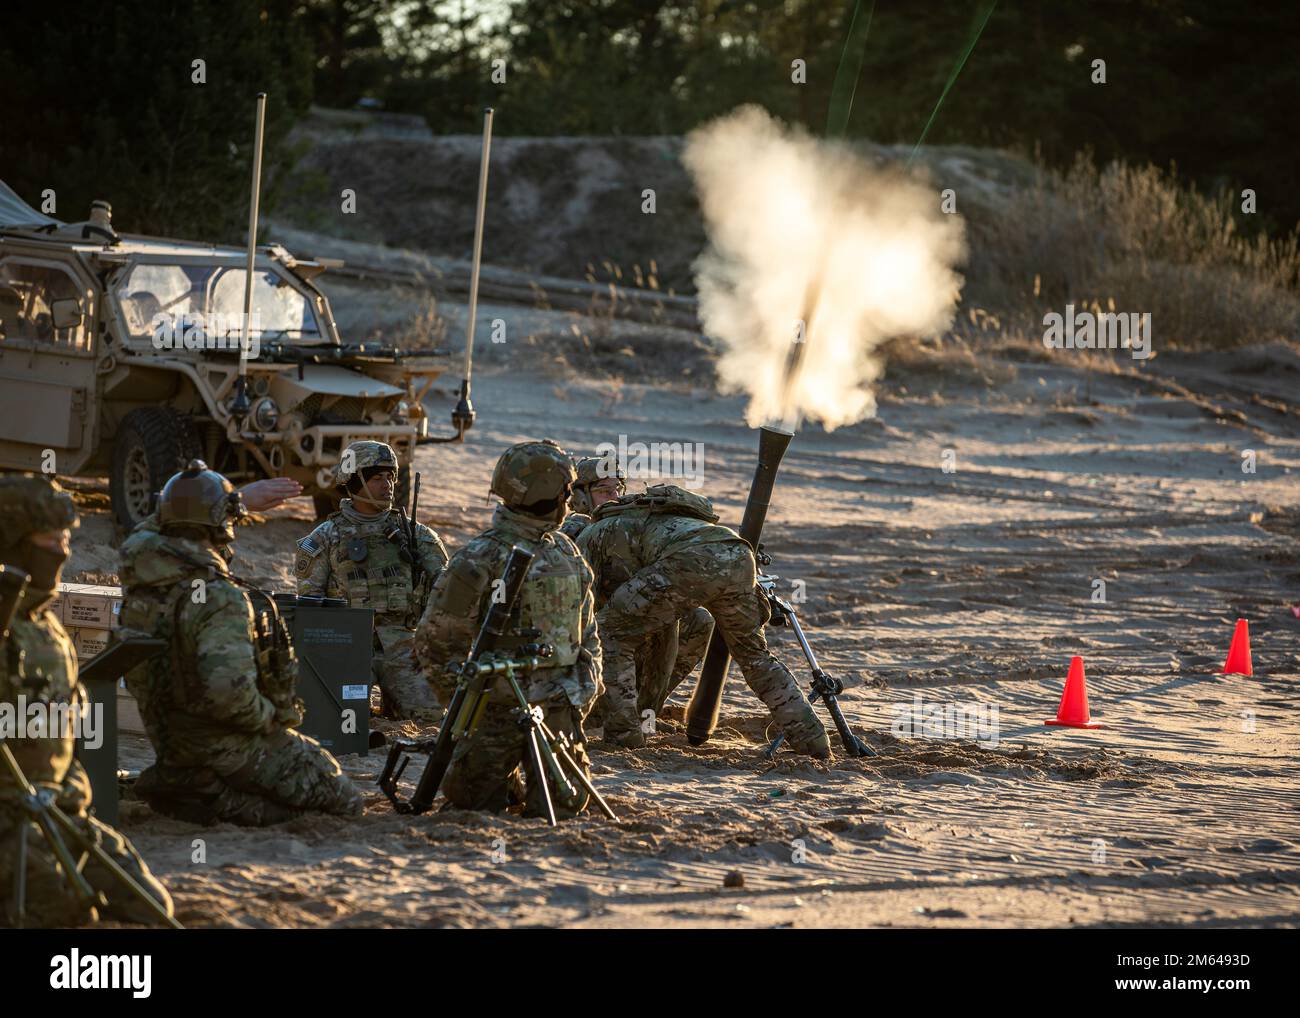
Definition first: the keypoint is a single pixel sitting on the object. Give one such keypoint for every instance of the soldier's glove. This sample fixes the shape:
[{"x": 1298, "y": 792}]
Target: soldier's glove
[{"x": 291, "y": 715}]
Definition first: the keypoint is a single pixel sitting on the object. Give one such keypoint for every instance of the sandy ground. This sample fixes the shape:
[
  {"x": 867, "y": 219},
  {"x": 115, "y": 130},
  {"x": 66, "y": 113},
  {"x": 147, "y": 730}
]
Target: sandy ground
[{"x": 969, "y": 587}]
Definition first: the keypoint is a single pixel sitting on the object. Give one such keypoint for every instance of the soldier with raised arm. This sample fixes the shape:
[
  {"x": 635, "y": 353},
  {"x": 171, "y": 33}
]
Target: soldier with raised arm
[{"x": 219, "y": 706}]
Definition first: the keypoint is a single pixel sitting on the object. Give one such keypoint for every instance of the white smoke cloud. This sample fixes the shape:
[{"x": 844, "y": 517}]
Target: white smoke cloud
[{"x": 804, "y": 229}]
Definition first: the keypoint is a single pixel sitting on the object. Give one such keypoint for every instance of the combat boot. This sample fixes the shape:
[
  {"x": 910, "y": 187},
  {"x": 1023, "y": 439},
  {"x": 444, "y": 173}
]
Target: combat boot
[
  {"x": 622, "y": 728},
  {"x": 804, "y": 732},
  {"x": 631, "y": 739}
]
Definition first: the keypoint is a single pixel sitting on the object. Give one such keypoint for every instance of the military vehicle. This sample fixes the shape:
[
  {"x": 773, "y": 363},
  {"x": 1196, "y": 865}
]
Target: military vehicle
[{"x": 120, "y": 357}]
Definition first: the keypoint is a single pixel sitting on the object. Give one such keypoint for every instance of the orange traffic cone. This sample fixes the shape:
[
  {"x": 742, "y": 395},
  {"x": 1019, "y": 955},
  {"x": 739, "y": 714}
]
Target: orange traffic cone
[
  {"x": 1238, "y": 662},
  {"x": 1073, "y": 712}
]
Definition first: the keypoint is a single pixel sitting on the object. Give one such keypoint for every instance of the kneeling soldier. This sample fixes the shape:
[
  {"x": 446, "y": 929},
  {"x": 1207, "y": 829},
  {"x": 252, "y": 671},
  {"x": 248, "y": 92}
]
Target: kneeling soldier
[
  {"x": 37, "y": 663},
  {"x": 219, "y": 706},
  {"x": 362, "y": 553},
  {"x": 555, "y": 606},
  {"x": 664, "y": 658}
]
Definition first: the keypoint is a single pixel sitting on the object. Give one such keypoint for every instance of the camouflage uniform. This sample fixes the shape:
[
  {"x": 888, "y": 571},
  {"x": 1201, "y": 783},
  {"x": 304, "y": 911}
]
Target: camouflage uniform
[
  {"x": 587, "y": 471},
  {"x": 363, "y": 558},
  {"x": 555, "y": 602},
  {"x": 219, "y": 707},
  {"x": 654, "y": 566},
  {"x": 37, "y": 661},
  {"x": 665, "y": 658},
  {"x": 574, "y": 524}
]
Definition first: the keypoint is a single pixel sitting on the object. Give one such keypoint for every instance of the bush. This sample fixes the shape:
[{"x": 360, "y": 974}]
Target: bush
[{"x": 1134, "y": 239}]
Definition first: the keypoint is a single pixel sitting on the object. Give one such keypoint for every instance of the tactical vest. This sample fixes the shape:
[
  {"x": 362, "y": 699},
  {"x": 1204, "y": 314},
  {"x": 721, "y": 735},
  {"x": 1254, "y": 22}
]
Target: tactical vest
[
  {"x": 172, "y": 683},
  {"x": 277, "y": 664},
  {"x": 165, "y": 683},
  {"x": 368, "y": 568},
  {"x": 550, "y": 604},
  {"x": 41, "y": 665}
]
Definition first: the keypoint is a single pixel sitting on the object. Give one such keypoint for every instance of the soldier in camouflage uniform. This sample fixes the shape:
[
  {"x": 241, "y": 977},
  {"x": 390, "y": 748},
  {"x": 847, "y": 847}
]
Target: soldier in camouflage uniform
[
  {"x": 219, "y": 706},
  {"x": 37, "y": 662},
  {"x": 597, "y": 482},
  {"x": 665, "y": 658},
  {"x": 659, "y": 555},
  {"x": 360, "y": 553},
  {"x": 555, "y": 606}
]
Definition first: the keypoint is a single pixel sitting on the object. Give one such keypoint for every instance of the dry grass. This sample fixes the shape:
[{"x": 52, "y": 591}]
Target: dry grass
[
  {"x": 425, "y": 329},
  {"x": 1135, "y": 240}
]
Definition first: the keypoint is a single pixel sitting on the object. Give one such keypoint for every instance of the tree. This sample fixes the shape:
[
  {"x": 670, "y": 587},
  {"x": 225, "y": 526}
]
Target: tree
[
  {"x": 103, "y": 102},
  {"x": 352, "y": 58}
]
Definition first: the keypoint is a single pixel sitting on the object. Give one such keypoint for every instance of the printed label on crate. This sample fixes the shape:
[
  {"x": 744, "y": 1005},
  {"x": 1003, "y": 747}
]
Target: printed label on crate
[
  {"x": 93, "y": 606},
  {"x": 89, "y": 642},
  {"x": 358, "y": 692}
]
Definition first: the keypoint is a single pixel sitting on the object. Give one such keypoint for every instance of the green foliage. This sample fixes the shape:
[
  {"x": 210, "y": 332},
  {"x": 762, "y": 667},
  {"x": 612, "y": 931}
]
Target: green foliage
[
  {"x": 1205, "y": 85},
  {"x": 658, "y": 67},
  {"x": 100, "y": 103},
  {"x": 347, "y": 39}
]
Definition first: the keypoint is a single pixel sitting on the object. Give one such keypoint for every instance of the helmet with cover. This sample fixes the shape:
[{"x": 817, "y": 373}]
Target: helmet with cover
[
  {"x": 199, "y": 497},
  {"x": 591, "y": 471},
  {"x": 361, "y": 461},
  {"x": 32, "y": 505},
  {"x": 534, "y": 478}
]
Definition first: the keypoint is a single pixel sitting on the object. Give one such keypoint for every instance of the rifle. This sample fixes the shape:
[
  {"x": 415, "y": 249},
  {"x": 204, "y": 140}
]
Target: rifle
[
  {"x": 276, "y": 350},
  {"x": 469, "y": 690},
  {"x": 409, "y": 549},
  {"x": 551, "y": 755},
  {"x": 416, "y": 567},
  {"x": 823, "y": 685},
  {"x": 52, "y": 822}
]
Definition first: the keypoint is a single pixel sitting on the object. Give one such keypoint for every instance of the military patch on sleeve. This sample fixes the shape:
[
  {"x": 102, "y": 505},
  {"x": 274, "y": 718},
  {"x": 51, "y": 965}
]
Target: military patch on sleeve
[
  {"x": 302, "y": 564},
  {"x": 310, "y": 545}
]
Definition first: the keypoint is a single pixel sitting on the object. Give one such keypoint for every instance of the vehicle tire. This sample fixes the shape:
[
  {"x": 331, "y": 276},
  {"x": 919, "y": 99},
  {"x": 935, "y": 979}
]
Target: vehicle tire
[{"x": 151, "y": 445}]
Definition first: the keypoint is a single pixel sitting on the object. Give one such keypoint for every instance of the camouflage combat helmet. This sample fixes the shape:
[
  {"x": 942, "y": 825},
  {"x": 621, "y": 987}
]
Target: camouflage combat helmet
[
  {"x": 532, "y": 472},
  {"x": 591, "y": 470},
  {"x": 200, "y": 497},
  {"x": 30, "y": 502},
  {"x": 360, "y": 456}
]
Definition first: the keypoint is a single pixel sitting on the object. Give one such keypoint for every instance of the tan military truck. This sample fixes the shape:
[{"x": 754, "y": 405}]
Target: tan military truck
[{"x": 119, "y": 356}]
